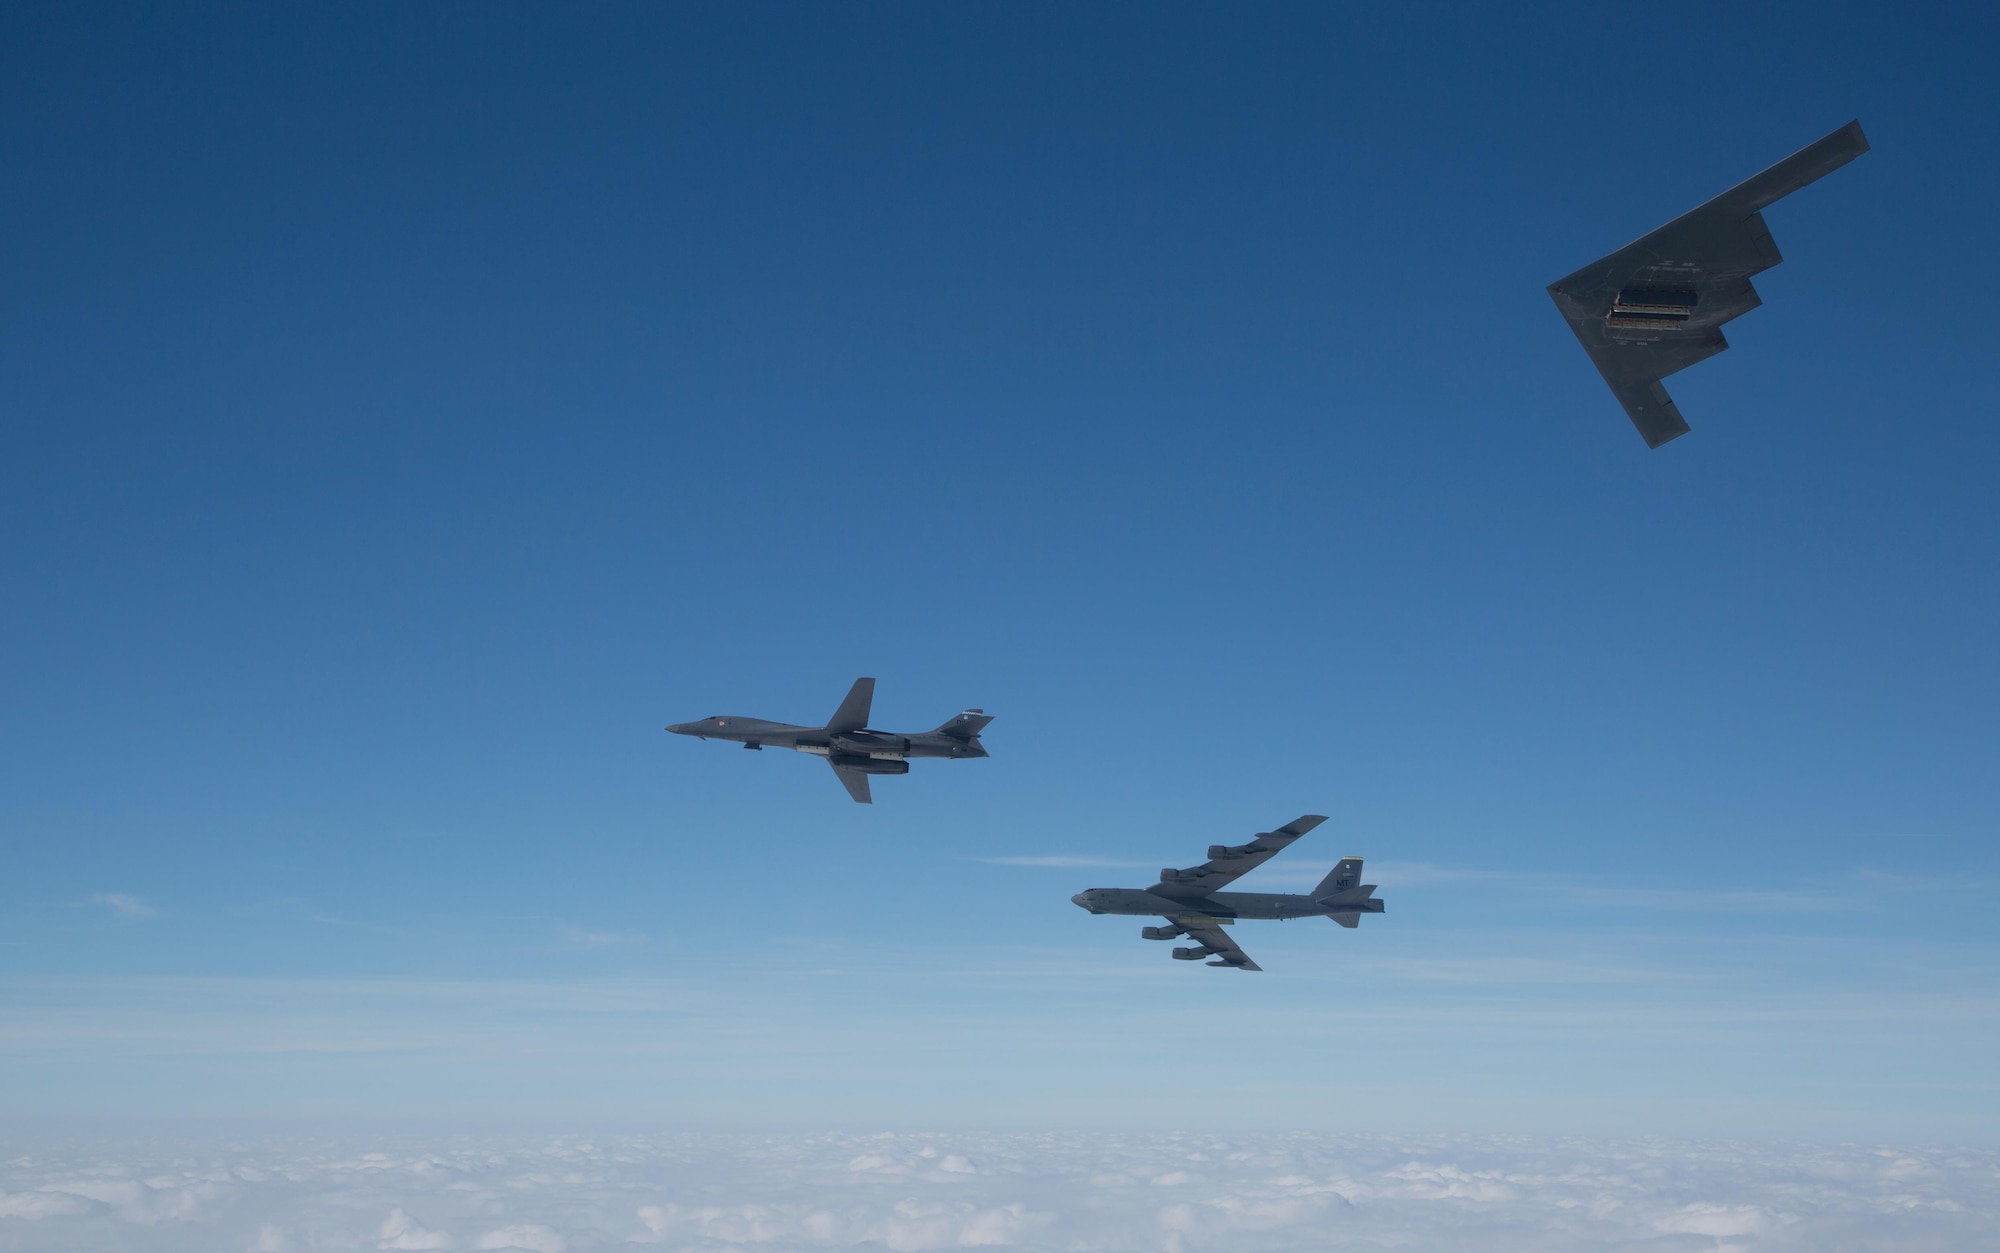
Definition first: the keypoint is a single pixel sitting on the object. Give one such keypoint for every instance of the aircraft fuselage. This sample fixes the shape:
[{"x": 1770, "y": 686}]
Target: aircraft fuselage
[
  {"x": 873, "y": 745},
  {"x": 1216, "y": 904}
]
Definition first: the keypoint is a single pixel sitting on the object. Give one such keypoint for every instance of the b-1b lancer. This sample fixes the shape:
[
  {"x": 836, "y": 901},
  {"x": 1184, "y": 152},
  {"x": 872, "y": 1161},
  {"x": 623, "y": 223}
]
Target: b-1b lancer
[
  {"x": 1657, "y": 305},
  {"x": 1192, "y": 906},
  {"x": 854, "y": 751}
]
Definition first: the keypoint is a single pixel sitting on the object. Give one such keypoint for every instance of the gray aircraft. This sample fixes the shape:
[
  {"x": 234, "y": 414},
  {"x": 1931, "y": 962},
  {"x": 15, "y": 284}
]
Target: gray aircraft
[
  {"x": 1192, "y": 906},
  {"x": 1657, "y": 305},
  {"x": 854, "y": 751}
]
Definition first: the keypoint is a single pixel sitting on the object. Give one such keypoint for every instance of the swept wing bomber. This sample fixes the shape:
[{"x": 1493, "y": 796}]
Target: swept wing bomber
[
  {"x": 1657, "y": 305},
  {"x": 854, "y": 751},
  {"x": 1193, "y": 907}
]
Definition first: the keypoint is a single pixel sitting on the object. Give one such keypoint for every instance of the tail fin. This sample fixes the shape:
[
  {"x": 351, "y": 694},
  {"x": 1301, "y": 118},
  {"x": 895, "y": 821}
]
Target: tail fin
[
  {"x": 1345, "y": 895},
  {"x": 853, "y": 712},
  {"x": 965, "y": 726},
  {"x": 1343, "y": 884}
]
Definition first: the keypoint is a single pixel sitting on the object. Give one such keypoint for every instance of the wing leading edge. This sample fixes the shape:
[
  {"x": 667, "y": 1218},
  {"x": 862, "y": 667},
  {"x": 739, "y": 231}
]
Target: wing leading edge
[
  {"x": 1657, "y": 305},
  {"x": 1226, "y": 864}
]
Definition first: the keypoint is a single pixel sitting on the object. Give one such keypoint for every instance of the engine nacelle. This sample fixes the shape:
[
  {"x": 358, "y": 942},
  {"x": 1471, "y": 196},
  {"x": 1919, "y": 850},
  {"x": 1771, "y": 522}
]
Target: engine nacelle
[
  {"x": 871, "y": 765},
  {"x": 870, "y": 745},
  {"x": 1161, "y": 933},
  {"x": 1224, "y": 852},
  {"x": 1191, "y": 954}
]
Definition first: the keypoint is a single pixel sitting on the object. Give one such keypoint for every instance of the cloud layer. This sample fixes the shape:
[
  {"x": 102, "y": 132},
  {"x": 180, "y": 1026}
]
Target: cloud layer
[{"x": 1059, "y": 1191}]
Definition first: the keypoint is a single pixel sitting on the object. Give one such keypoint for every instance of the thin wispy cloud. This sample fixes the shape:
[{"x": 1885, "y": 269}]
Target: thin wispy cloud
[
  {"x": 1070, "y": 861},
  {"x": 585, "y": 938},
  {"x": 1702, "y": 900},
  {"x": 124, "y": 904}
]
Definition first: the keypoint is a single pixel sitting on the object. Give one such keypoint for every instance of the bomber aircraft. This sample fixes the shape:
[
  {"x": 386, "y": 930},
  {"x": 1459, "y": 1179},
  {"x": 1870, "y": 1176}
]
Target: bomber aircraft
[
  {"x": 854, "y": 751},
  {"x": 1657, "y": 305},
  {"x": 1192, "y": 906}
]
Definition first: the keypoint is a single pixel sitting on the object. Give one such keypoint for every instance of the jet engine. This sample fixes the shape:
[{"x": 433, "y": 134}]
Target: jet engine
[
  {"x": 1223, "y": 852},
  {"x": 871, "y": 765},
  {"x": 1191, "y": 954},
  {"x": 1161, "y": 933}
]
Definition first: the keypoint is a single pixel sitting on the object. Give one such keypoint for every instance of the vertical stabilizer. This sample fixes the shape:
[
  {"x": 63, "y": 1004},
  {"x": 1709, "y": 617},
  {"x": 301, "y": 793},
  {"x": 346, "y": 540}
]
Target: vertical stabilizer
[
  {"x": 1343, "y": 884},
  {"x": 853, "y": 712}
]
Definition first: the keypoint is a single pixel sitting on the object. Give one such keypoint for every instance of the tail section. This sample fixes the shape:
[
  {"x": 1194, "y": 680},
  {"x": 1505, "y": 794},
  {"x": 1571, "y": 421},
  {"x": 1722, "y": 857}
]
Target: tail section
[
  {"x": 853, "y": 712},
  {"x": 965, "y": 726},
  {"x": 1344, "y": 895}
]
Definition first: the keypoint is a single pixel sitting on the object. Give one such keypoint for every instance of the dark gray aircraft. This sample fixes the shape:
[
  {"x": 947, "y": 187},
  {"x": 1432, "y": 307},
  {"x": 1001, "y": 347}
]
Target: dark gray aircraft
[
  {"x": 845, "y": 741},
  {"x": 1657, "y": 305},
  {"x": 1188, "y": 899}
]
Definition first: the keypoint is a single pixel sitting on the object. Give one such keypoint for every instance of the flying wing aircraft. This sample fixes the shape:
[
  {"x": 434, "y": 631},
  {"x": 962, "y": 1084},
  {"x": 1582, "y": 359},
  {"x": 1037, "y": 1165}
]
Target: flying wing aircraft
[
  {"x": 1657, "y": 305},
  {"x": 854, "y": 751},
  {"x": 1194, "y": 907}
]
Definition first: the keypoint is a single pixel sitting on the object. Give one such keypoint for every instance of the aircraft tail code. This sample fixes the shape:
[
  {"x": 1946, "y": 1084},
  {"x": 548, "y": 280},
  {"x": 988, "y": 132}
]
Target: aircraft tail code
[{"x": 1341, "y": 883}]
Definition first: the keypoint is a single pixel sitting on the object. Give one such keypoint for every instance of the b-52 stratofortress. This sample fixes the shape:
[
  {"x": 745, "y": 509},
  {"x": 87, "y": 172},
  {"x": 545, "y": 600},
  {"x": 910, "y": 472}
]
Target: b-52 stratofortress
[
  {"x": 854, "y": 751},
  {"x": 1192, "y": 906},
  {"x": 1657, "y": 305}
]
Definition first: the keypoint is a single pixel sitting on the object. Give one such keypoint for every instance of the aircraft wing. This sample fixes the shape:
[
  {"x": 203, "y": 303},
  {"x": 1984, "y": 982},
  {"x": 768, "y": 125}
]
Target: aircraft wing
[
  {"x": 854, "y": 781},
  {"x": 1226, "y": 864},
  {"x": 1226, "y": 951},
  {"x": 1657, "y": 305}
]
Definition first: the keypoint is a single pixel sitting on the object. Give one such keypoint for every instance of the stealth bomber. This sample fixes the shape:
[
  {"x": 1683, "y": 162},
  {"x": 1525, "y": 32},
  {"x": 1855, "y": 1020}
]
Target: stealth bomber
[
  {"x": 1193, "y": 907},
  {"x": 1657, "y": 305},
  {"x": 854, "y": 751}
]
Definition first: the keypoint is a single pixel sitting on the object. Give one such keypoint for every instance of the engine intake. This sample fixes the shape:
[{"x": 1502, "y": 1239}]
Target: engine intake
[
  {"x": 1224, "y": 852},
  {"x": 1161, "y": 933},
  {"x": 1191, "y": 954}
]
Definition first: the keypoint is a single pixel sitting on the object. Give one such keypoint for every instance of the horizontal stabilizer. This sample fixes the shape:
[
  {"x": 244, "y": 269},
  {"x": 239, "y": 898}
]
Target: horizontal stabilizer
[
  {"x": 1347, "y": 918},
  {"x": 965, "y": 726}
]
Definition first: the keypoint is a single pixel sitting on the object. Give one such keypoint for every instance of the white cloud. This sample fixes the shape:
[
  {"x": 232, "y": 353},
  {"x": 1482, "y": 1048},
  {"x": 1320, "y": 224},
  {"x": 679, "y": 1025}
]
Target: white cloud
[
  {"x": 582, "y": 937},
  {"x": 400, "y": 1231},
  {"x": 913, "y": 1193},
  {"x": 270, "y": 1239},
  {"x": 124, "y": 904},
  {"x": 38, "y": 1205},
  {"x": 532, "y": 1236}
]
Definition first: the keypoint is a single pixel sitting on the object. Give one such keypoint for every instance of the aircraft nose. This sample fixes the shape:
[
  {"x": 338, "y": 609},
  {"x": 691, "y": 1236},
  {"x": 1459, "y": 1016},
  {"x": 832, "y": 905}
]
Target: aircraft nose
[
  {"x": 678, "y": 728},
  {"x": 1081, "y": 900}
]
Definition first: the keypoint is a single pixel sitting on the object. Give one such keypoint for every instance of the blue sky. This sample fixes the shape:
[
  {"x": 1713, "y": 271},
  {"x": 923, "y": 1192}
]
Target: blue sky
[{"x": 413, "y": 409}]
